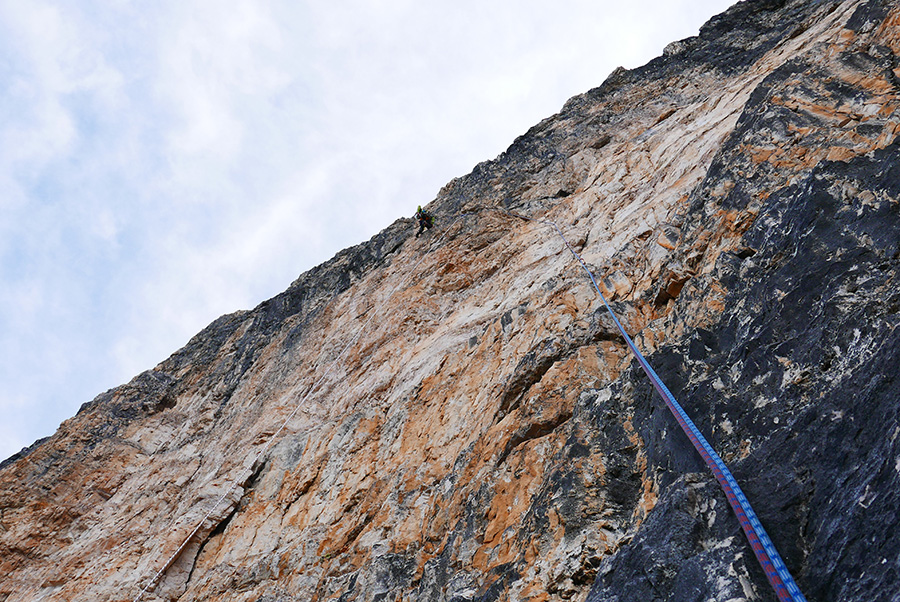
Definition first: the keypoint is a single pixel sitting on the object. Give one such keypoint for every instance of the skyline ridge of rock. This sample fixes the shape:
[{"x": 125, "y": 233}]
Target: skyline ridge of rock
[{"x": 470, "y": 426}]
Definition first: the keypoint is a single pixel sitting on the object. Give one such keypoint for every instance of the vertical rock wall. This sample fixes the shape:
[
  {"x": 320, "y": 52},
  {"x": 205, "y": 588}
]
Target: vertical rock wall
[{"x": 465, "y": 422}]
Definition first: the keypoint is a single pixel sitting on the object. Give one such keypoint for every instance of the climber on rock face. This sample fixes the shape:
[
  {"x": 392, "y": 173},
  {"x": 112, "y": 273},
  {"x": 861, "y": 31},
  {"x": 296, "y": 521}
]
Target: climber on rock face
[{"x": 426, "y": 220}]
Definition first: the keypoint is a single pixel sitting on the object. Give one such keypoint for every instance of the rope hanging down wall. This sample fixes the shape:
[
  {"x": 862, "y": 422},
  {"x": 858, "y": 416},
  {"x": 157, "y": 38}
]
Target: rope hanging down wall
[{"x": 776, "y": 572}]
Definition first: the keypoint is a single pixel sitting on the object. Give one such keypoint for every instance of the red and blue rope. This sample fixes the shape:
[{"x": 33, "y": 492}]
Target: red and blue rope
[{"x": 773, "y": 566}]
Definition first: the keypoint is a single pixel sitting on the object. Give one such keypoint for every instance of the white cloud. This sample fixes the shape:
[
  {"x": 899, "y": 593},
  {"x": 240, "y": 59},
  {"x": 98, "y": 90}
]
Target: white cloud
[{"x": 178, "y": 160}]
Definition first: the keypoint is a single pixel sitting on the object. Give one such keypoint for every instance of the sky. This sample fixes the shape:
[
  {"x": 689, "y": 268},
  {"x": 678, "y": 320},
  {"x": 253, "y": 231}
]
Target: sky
[{"x": 164, "y": 163}]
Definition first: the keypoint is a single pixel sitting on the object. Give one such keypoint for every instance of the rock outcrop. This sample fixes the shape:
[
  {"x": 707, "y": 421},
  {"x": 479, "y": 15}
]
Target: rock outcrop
[{"x": 465, "y": 423}]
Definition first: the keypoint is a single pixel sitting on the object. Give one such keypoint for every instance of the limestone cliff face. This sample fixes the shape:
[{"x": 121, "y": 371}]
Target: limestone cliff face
[{"x": 470, "y": 426}]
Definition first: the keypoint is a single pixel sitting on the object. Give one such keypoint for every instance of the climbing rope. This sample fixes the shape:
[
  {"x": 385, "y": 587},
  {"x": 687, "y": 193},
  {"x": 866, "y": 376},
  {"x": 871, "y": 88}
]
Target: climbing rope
[
  {"x": 261, "y": 455},
  {"x": 776, "y": 572}
]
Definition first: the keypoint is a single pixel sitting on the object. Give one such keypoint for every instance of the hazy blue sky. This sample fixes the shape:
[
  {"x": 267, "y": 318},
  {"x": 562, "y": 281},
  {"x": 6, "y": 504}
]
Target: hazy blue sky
[{"x": 163, "y": 163}]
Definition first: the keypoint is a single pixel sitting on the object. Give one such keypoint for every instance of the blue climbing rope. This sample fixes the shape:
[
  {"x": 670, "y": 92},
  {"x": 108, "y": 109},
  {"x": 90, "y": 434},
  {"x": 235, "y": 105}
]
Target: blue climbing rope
[{"x": 776, "y": 572}]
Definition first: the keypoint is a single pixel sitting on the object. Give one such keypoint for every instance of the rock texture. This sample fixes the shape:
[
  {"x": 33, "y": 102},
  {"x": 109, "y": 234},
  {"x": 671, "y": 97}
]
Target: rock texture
[{"x": 470, "y": 426}]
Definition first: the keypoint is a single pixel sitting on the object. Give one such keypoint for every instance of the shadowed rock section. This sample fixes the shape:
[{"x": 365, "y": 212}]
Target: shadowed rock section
[{"x": 486, "y": 435}]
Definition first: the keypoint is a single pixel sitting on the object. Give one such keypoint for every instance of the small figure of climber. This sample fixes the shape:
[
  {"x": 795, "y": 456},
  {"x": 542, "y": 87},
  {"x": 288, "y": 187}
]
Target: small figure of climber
[{"x": 426, "y": 220}]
